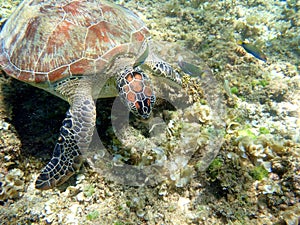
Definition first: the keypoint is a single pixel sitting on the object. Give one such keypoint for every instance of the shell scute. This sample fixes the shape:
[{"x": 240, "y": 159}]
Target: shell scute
[
  {"x": 100, "y": 64},
  {"x": 31, "y": 29},
  {"x": 82, "y": 13},
  {"x": 57, "y": 39},
  {"x": 74, "y": 8},
  {"x": 64, "y": 45},
  {"x": 140, "y": 35},
  {"x": 24, "y": 75},
  {"x": 102, "y": 37},
  {"x": 115, "y": 51},
  {"x": 121, "y": 17},
  {"x": 40, "y": 78},
  {"x": 58, "y": 74},
  {"x": 82, "y": 66}
]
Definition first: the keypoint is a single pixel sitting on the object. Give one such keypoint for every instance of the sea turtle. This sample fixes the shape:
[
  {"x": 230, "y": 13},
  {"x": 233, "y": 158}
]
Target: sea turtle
[{"x": 71, "y": 48}]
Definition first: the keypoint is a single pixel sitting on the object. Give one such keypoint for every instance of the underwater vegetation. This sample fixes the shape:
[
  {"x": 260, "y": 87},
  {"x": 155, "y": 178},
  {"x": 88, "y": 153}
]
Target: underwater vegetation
[
  {"x": 93, "y": 215},
  {"x": 255, "y": 177},
  {"x": 259, "y": 172}
]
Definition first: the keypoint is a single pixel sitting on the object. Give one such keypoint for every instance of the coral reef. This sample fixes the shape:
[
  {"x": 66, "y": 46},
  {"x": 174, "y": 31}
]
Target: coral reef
[
  {"x": 255, "y": 178},
  {"x": 11, "y": 184}
]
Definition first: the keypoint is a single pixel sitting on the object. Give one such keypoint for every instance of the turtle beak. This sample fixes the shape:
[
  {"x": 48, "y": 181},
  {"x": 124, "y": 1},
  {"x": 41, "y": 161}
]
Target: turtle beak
[{"x": 144, "y": 108}]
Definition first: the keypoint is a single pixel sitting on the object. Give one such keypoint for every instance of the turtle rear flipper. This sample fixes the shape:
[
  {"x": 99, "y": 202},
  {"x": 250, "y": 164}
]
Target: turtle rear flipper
[{"x": 75, "y": 137}]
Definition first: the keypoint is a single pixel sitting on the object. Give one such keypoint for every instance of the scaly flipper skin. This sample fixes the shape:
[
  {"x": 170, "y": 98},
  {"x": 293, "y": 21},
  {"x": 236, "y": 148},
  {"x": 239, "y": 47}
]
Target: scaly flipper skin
[
  {"x": 162, "y": 68},
  {"x": 75, "y": 137}
]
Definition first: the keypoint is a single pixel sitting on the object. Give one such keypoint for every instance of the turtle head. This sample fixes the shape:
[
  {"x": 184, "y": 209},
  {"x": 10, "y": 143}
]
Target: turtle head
[{"x": 136, "y": 92}]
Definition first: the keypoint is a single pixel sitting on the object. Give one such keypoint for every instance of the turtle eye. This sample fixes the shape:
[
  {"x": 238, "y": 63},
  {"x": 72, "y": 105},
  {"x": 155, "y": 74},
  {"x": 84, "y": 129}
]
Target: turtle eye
[{"x": 136, "y": 92}]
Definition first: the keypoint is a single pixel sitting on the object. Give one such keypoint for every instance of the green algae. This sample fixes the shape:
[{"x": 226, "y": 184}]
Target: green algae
[
  {"x": 89, "y": 190},
  {"x": 264, "y": 130},
  {"x": 234, "y": 90},
  {"x": 259, "y": 173},
  {"x": 247, "y": 133},
  {"x": 261, "y": 82},
  {"x": 215, "y": 167},
  {"x": 93, "y": 215}
]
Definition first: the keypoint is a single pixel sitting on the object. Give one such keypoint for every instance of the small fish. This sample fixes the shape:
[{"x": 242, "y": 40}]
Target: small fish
[
  {"x": 253, "y": 50},
  {"x": 142, "y": 58},
  {"x": 189, "y": 68}
]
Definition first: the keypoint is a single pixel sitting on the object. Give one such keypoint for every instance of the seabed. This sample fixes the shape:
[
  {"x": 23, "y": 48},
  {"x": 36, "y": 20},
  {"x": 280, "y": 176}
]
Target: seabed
[{"x": 254, "y": 178}]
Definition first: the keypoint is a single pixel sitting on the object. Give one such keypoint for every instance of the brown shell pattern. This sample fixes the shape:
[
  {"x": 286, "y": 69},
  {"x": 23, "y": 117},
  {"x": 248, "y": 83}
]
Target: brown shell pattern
[{"x": 46, "y": 41}]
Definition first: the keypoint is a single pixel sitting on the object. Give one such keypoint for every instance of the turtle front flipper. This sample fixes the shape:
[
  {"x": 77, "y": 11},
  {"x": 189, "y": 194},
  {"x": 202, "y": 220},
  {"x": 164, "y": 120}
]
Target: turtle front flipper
[
  {"x": 162, "y": 68},
  {"x": 75, "y": 136}
]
